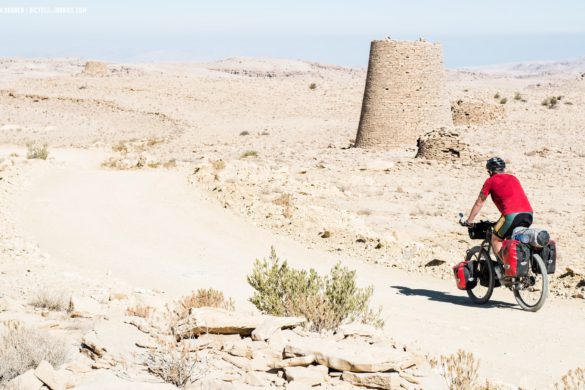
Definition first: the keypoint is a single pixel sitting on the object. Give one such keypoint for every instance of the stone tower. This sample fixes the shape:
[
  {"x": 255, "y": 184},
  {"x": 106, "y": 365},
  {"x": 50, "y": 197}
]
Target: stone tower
[{"x": 405, "y": 94}]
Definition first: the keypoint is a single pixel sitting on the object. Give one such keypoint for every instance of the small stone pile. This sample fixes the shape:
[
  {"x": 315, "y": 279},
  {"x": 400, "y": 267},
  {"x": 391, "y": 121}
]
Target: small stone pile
[
  {"x": 444, "y": 145},
  {"x": 476, "y": 113},
  {"x": 96, "y": 68}
]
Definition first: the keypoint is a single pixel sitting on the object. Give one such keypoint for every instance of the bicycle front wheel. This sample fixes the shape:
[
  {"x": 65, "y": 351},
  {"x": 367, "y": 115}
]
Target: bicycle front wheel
[
  {"x": 532, "y": 290},
  {"x": 483, "y": 271}
]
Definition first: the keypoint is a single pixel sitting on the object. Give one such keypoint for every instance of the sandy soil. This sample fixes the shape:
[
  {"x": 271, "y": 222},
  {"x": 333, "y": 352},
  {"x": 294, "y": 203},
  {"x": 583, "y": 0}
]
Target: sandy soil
[{"x": 70, "y": 223}]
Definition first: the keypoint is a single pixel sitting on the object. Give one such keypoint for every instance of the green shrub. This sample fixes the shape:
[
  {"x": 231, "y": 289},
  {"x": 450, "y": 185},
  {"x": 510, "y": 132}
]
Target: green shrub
[{"x": 325, "y": 301}]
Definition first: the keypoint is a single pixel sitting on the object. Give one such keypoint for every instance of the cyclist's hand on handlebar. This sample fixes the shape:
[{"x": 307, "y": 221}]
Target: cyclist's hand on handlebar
[{"x": 464, "y": 222}]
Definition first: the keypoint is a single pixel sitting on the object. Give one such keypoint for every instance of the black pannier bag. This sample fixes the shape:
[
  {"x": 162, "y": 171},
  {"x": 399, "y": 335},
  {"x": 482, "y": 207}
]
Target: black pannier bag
[
  {"x": 479, "y": 230},
  {"x": 549, "y": 256}
]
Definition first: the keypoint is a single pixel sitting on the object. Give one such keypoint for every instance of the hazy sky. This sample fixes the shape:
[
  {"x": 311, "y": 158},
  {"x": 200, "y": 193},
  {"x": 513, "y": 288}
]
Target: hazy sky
[{"x": 473, "y": 32}]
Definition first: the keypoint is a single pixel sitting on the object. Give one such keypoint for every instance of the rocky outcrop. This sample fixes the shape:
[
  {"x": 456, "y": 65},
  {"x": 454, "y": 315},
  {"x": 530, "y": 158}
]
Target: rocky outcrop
[{"x": 95, "y": 68}]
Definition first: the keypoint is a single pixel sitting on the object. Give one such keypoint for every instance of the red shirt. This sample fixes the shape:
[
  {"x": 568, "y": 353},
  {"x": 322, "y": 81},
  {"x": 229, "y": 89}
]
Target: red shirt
[{"x": 507, "y": 194}]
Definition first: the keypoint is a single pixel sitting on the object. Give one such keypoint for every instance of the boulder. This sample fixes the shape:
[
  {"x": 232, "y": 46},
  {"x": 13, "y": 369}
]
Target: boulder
[
  {"x": 53, "y": 379},
  {"x": 377, "y": 380},
  {"x": 114, "y": 341},
  {"x": 95, "y": 68},
  {"x": 271, "y": 324},
  {"x": 351, "y": 356},
  {"x": 84, "y": 307},
  {"x": 300, "y": 361},
  {"x": 28, "y": 381},
  {"x": 309, "y": 376}
]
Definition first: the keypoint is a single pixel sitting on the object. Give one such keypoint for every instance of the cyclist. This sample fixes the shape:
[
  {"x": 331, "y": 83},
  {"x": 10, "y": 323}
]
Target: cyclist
[{"x": 510, "y": 199}]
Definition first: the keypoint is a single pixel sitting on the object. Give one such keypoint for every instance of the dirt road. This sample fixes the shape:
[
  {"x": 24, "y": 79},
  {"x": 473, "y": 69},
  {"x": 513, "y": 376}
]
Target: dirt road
[{"x": 152, "y": 229}]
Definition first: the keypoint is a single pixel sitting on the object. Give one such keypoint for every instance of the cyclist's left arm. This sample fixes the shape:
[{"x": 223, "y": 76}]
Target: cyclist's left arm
[{"x": 476, "y": 207}]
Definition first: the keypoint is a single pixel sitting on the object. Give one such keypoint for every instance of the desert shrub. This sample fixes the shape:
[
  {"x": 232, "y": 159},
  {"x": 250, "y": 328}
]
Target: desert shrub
[
  {"x": 120, "y": 147},
  {"x": 572, "y": 380},
  {"x": 517, "y": 96},
  {"x": 325, "y": 301},
  {"x": 56, "y": 301},
  {"x": 154, "y": 164},
  {"x": 250, "y": 153},
  {"x": 171, "y": 363},
  {"x": 460, "y": 370},
  {"x": 550, "y": 102},
  {"x": 497, "y": 95},
  {"x": 35, "y": 151},
  {"x": 218, "y": 165},
  {"x": 22, "y": 349},
  {"x": 143, "y": 311},
  {"x": 203, "y": 298},
  {"x": 504, "y": 101},
  {"x": 285, "y": 200},
  {"x": 312, "y": 86},
  {"x": 171, "y": 163},
  {"x": 245, "y": 132},
  {"x": 154, "y": 141}
]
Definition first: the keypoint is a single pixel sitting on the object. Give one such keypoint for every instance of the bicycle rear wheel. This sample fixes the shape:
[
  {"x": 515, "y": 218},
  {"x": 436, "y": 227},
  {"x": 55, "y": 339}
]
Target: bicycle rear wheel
[
  {"x": 532, "y": 290},
  {"x": 484, "y": 272}
]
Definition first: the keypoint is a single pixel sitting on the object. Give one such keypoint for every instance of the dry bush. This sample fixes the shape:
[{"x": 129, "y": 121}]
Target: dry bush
[
  {"x": 170, "y": 164},
  {"x": 22, "y": 349},
  {"x": 154, "y": 164},
  {"x": 171, "y": 363},
  {"x": 55, "y": 301},
  {"x": 218, "y": 165},
  {"x": 312, "y": 86},
  {"x": 120, "y": 147},
  {"x": 203, "y": 298},
  {"x": 285, "y": 200},
  {"x": 154, "y": 141},
  {"x": 35, "y": 151},
  {"x": 497, "y": 95},
  {"x": 249, "y": 153},
  {"x": 551, "y": 102},
  {"x": 572, "y": 380},
  {"x": 517, "y": 96},
  {"x": 325, "y": 301},
  {"x": 460, "y": 370},
  {"x": 245, "y": 132},
  {"x": 143, "y": 311}
]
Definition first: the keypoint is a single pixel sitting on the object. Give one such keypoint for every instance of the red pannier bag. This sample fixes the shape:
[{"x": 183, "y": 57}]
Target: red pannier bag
[
  {"x": 464, "y": 277},
  {"x": 516, "y": 257}
]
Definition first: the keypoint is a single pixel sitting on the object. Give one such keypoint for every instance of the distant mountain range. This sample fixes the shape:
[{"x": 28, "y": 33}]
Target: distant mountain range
[{"x": 536, "y": 68}]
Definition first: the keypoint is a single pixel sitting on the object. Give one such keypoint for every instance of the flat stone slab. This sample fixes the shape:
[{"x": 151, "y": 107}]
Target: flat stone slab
[
  {"x": 351, "y": 356},
  {"x": 218, "y": 321}
]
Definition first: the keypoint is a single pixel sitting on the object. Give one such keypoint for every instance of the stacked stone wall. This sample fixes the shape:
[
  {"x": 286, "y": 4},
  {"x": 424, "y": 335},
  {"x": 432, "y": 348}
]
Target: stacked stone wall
[{"x": 477, "y": 113}]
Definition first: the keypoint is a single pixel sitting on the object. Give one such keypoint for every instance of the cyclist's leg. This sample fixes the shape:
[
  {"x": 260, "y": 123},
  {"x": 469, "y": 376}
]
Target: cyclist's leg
[{"x": 499, "y": 229}]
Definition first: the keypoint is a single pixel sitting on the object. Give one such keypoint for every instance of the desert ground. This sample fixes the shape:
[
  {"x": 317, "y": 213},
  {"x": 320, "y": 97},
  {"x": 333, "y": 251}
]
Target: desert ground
[{"x": 163, "y": 178}]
